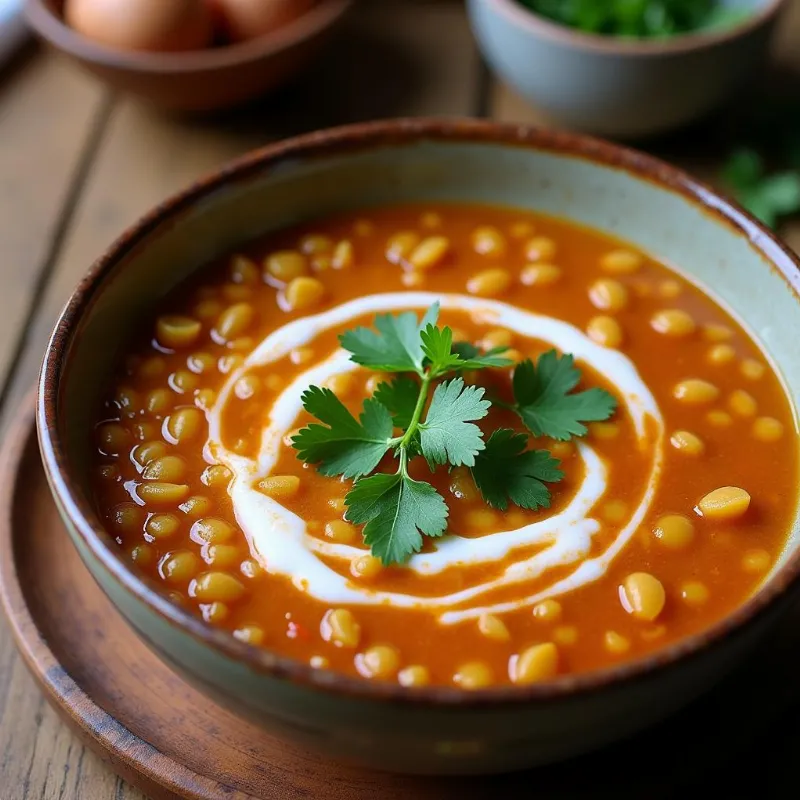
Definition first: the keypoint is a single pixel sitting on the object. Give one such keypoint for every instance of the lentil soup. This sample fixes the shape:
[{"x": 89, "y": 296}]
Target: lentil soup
[{"x": 668, "y": 516}]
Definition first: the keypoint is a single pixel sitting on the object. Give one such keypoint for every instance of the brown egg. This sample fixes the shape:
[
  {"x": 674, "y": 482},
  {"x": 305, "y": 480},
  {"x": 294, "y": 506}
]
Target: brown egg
[
  {"x": 153, "y": 25},
  {"x": 249, "y": 19}
]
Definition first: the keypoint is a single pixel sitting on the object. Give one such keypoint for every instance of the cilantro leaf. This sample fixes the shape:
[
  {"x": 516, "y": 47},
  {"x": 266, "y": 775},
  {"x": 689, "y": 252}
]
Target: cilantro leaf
[
  {"x": 465, "y": 350},
  {"x": 491, "y": 358},
  {"x": 640, "y": 19},
  {"x": 543, "y": 401},
  {"x": 400, "y": 397},
  {"x": 506, "y": 470},
  {"x": 347, "y": 447},
  {"x": 437, "y": 344},
  {"x": 743, "y": 169},
  {"x": 768, "y": 197},
  {"x": 395, "y": 347},
  {"x": 448, "y": 435},
  {"x": 773, "y": 197},
  {"x": 397, "y": 511}
]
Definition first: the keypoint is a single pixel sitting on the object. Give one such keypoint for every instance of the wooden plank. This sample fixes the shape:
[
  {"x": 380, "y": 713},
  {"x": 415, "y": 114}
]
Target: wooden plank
[
  {"x": 40, "y": 759},
  {"x": 394, "y": 58},
  {"x": 400, "y": 60},
  {"x": 47, "y": 110}
]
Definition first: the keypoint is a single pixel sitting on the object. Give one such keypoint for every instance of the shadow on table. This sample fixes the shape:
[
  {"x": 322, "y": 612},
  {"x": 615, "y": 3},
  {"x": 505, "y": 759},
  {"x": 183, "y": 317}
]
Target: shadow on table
[
  {"x": 738, "y": 741},
  {"x": 766, "y": 117},
  {"x": 363, "y": 75}
]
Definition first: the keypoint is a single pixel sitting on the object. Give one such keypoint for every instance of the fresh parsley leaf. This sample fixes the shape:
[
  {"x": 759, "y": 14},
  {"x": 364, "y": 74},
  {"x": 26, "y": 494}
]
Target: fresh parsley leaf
[
  {"x": 768, "y": 197},
  {"x": 400, "y": 397},
  {"x": 639, "y": 18},
  {"x": 397, "y": 511},
  {"x": 743, "y": 169},
  {"x": 347, "y": 447},
  {"x": 544, "y": 402},
  {"x": 465, "y": 350},
  {"x": 506, "y": 470},
  {"x": 448, "y": 435},
  {"x": 395, "y": 347},
  {"x": 491, "y": 358},
  {"x": 437, "y": 344},
  {"x": 773, "y": 197}
]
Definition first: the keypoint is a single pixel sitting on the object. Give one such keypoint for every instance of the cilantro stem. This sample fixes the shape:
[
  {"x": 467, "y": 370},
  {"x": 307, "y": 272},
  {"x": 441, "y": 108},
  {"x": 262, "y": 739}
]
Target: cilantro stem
[
  {"x": 496, "y": 401},
  {"x": 396, "y": 509},
  {"x": 403, "y": 468},
  {"x": 427, "y": 379}
]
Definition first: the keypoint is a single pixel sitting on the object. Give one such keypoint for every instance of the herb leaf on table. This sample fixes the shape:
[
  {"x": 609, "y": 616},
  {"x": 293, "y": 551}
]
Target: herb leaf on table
[{"x": 767, "y": 196}]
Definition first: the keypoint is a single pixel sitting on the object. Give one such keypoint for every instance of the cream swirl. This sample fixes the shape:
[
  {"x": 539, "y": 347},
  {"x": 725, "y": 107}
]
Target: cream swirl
[{"x": 279, "y": 540}]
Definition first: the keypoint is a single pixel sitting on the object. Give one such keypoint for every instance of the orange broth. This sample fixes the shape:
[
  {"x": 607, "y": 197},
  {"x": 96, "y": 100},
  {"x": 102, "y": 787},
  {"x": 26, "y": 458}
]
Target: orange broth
[{"x": 746, "y": 431}]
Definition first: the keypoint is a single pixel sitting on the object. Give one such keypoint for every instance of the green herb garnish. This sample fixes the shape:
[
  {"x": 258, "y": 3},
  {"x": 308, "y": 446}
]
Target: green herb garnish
[
  {"x": 436, "y": 412},
  {"x": 768, "y": 196},
  {"x": 640, "y": 19}
]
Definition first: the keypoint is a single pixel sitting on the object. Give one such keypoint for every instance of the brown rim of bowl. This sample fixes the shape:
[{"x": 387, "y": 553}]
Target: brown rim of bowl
[
  {"x": 337, "y": 142},
  {"x": 682, "y": 43},
  {"x": 52, "y": 28}
]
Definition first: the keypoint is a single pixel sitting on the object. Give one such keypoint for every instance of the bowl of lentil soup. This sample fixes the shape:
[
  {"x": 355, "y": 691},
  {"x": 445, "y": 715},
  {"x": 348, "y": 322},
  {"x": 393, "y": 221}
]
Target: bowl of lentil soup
[{"x": 441, "y": 446}]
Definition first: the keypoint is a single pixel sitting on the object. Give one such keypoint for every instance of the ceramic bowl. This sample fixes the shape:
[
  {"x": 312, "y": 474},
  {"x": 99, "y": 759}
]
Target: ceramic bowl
[
  {"x": 203, "y": 80},
  {"x": 436, "y": 729},
  {"x": 615, "y": 87}
]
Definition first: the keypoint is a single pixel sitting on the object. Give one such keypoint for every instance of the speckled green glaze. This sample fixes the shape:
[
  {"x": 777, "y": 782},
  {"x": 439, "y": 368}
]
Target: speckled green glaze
[
  {"x": 435, "y": 730},
  {"x": 614, "y": 87}
]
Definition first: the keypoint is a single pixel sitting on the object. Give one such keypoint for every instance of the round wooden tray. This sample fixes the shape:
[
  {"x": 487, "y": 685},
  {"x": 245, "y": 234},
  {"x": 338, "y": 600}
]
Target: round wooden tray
[{"x": 172, "y": 742}]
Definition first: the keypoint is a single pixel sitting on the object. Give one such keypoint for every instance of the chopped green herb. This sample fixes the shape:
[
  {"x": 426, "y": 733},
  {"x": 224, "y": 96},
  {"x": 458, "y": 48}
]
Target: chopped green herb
[{"x": 640, "y": 19}]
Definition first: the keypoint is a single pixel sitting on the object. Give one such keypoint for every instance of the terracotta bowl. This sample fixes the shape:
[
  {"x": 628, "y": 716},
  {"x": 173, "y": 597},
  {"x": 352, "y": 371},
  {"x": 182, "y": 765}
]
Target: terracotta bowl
[
  {"x": 384, "y": 725},
  {"x": 203, "y": 80}
]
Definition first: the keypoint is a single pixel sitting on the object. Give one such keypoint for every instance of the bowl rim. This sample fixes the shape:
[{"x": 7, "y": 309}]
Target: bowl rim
[
  {"x": 599, "y": 43},
  {"x": 337, "y": 142},
  {"x": 51, "y": 27}
]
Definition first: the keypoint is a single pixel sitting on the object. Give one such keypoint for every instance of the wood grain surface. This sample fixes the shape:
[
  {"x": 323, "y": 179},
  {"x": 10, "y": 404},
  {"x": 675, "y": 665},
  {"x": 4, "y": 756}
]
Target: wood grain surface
[
  {"x": 77, "y": 165},
  {"x": 47, "y": 118}
]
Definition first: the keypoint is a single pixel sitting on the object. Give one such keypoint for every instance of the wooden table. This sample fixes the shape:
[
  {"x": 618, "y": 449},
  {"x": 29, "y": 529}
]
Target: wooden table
[{"x": 78, "y": 164}]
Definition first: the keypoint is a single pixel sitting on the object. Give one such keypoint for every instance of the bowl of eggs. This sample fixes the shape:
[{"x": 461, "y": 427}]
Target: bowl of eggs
[{"x": 188, "y": 55}]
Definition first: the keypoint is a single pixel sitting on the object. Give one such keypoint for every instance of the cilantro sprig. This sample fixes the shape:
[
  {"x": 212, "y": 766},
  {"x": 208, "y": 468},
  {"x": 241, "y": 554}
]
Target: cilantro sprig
[{"x": 436, "y": 412}]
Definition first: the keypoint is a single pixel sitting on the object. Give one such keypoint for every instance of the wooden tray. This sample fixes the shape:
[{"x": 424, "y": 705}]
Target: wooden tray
[{"x": 172, "y": 742}]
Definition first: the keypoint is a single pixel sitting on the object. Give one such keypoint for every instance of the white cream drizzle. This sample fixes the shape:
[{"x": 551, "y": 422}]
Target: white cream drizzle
[{"x": 279, "y": 540}]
